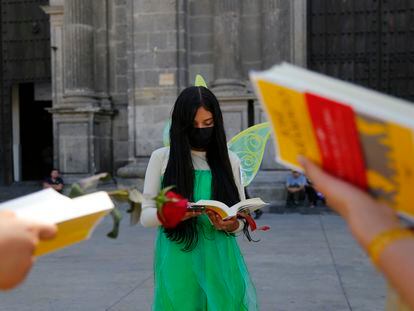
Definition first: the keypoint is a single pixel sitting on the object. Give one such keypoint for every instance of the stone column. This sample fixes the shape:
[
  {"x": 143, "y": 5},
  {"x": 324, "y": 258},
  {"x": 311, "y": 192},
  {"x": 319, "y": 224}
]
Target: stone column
[
  {"x": 276, "y": 32},
  {"x": 227, "y": 53},
  {"x": 283, "y": 32},
  {"x": 101, "y": 52},
  {"x": 81, "y": 119},
  {"x": 284, "y": 40},
  {"x": 299, "y": 32},
  {"x": 78, "y": 56}
]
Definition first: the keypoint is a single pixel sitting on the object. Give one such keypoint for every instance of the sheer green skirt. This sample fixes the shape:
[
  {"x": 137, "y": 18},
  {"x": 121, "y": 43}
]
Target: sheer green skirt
[{"x": 212, "y": 277}]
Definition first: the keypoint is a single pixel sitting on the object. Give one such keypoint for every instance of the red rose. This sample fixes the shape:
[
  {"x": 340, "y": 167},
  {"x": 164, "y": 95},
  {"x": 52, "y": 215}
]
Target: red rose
[{"x": 172, "y": 209}]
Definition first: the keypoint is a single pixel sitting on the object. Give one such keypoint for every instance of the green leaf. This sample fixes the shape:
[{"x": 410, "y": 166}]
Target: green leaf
[
  {"x": 165, "y": 190},
  {"x": 119, "y": 195},
  {"x": 76, "y": 191},
  {"x": 116, "y": 218}
]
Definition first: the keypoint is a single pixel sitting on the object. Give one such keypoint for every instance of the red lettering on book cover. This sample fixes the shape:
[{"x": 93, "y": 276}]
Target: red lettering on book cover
[{"x": 338, "y": 140}]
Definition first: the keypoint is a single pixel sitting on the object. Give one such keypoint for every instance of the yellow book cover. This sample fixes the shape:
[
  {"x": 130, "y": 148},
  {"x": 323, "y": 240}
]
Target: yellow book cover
[
  {"x": 75, "y": 218},
  {"x": 356, "y": 134}
]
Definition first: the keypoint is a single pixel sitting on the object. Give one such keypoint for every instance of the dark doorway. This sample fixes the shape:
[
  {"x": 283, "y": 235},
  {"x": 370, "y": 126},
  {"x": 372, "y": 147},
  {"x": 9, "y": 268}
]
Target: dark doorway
[
  {"x": 36, "y": 135},
  {"x": 368, "y": 42}
]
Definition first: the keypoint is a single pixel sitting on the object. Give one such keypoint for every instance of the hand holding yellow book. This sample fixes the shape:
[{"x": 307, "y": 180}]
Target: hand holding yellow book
[
  {"x": 359, "y": 135},
  {"x": 75, "y": 218}
]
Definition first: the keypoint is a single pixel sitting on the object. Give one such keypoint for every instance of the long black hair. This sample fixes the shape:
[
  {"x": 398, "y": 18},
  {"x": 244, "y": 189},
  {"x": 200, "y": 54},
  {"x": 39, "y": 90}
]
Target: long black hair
[{"x": 180, "y": 170}]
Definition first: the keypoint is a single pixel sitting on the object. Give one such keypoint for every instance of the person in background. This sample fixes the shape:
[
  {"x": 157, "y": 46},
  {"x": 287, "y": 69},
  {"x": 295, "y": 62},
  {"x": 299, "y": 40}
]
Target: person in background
[
  {"x": 54, "y": 181},
  {"x": 311, "y": 193},
  {"x": 377, "y": 229},
  {"x": 18, "y": 240},
  {"x": 295, "y": 186}
]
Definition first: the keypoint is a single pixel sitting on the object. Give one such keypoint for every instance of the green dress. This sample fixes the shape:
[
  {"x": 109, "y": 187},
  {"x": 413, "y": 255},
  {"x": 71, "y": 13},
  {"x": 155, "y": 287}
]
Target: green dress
[{"x": 211, "y": 277}]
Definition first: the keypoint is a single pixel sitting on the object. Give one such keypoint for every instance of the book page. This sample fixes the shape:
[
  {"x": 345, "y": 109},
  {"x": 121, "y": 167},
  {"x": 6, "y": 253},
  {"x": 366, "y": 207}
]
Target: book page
[
  {"x": 75, "y": 218},
  {"x": 249, "y": 205},
  {"x": 219, "y": 207},
  {"x": 49, "y": 206},
  {"x": 360, "y": 98}
]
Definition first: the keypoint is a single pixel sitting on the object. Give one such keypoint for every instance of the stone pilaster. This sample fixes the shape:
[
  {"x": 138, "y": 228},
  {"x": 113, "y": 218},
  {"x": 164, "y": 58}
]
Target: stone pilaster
[
  {"x": 101, "y": 52},
  {"x": 81, "y": 109},
  {"x": 78, "y": 55},
  {"x": 227, "y": 52},
  {"x": 283, "y": 32},
  {"x": 276, "y": 31}
]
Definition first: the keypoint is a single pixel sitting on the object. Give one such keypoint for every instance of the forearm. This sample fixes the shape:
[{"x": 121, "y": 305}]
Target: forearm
[
  {"x": 149, "y": 216},
  {"x": 396, "y": 262},
  {"x": 152, "y": 186},
  {"x": 57, "y": 187}
]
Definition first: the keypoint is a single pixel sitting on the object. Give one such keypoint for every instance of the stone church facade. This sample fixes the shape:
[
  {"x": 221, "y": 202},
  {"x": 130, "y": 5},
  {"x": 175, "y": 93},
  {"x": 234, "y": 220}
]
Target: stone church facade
[
  {"x": 117, "y": 67},
  {"x": 87, "y": 85}
]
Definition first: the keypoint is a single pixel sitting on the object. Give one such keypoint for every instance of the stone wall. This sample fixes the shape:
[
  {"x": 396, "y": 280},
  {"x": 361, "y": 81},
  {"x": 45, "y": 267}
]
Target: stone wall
[
  {"x": 118, "y": 84},
  {"x": 169, "y": 42},
  {"x": 141, "y": 53},
  {"x": 156, "y": 65}
]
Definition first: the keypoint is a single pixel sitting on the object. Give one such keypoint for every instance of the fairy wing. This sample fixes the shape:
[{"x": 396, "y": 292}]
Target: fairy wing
[
  {"x": 249, "y": 145},
  {"x": 199, "y": 81},
  {"x": 166, "y": 133}
]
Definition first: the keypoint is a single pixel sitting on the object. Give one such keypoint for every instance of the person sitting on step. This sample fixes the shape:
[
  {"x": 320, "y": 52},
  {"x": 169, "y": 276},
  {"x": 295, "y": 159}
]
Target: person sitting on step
[{"x": 295, "y": 186}]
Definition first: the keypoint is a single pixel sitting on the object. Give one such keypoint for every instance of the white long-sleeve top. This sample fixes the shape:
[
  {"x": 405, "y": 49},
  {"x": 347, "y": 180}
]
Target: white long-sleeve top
[{"x": 153, "y": 176}]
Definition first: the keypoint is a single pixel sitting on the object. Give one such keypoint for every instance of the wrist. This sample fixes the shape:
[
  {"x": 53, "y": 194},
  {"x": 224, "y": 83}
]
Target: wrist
[
  {"x": 234, "y": 227},
  {"x": 385, "y": 239},
  {"x": 369, "y": 222}
]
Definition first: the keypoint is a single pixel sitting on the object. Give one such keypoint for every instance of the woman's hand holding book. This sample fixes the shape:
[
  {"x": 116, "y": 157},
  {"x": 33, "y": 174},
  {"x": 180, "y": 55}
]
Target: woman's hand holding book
[{"x": 229, "y": 225}]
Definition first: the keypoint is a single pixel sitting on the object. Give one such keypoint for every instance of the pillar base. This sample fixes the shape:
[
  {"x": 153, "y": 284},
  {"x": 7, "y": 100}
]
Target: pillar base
[
  {"x": 82, "y": 141},
  {"x": 229, "y": 87}
]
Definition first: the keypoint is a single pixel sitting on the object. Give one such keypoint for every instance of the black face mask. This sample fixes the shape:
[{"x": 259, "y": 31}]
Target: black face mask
[{"x": 200, "y": 137}]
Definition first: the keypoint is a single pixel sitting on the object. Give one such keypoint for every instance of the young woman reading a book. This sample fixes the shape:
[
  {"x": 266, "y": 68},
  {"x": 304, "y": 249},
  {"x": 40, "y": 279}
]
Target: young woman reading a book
[
  {"x": 377, "y": 229},
  {"x": 198, "y": 264}
]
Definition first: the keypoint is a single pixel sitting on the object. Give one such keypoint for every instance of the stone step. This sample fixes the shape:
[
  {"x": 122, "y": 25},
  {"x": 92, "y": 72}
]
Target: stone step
[
  {"x": 270, "y": 186},
  {"x": 304, "y": 209},
  {"x": 19, "y": 189}
]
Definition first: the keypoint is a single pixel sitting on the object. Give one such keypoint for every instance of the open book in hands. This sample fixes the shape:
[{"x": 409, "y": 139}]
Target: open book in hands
[
  {"x": 246, "y": 206},
  {"x": 75, "y": 218}
]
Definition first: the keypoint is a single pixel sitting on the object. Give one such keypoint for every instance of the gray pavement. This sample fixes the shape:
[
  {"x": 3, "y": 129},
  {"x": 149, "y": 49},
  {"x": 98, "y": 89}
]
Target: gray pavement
[{"x": 305, "y": 262}]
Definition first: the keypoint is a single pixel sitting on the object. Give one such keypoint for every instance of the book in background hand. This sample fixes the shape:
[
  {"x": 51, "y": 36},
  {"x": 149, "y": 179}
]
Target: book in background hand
[
  {"x": 75, "y": 218},
  {"x": 359, "y": 135},
  {"x": 248, "y": 206}
]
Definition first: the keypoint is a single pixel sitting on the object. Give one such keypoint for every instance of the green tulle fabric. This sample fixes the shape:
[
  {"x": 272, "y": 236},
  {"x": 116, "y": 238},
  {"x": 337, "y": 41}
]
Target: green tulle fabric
[{"x": 212, "y": 277}]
